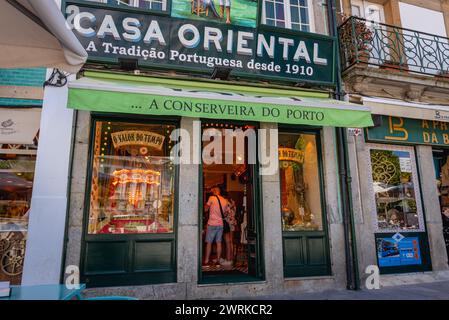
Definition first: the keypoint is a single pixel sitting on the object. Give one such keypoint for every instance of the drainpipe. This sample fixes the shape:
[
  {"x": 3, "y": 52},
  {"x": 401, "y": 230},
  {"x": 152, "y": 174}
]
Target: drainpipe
[
  {"x": 69, "y": 188},
  {"x": 344, "y": 173}
]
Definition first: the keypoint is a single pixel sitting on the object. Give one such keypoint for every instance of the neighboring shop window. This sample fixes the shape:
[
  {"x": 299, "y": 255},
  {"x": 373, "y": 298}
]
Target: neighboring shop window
[
  {"x": 18, "y": 148},
  {"x": 395, "y": 188},
  {"x": 158, "y": 5},
  {"x": 132, "y": 188},
  {"x": 300, "y": 182}
]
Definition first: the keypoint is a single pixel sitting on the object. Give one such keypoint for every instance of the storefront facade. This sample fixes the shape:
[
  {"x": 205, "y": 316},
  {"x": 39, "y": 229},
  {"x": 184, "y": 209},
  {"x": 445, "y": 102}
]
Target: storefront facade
[
  {"x": 137, "y": 219},
  {"x": 430, "y": 135},
  {"x": 276, "y": 248},
  {"x": 401, "y": 222},
  {"x": 398, "y": 217}
]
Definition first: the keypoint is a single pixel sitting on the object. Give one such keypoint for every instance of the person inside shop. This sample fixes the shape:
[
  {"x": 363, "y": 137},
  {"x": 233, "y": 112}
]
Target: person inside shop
[
  {"x": 228, "y": 235},
  {"x": 216, "y": 205}
]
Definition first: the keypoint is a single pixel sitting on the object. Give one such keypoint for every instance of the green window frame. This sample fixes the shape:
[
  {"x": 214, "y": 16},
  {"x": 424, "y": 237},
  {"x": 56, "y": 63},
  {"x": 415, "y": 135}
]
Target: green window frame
[
  {"x": 307, "y": 253},
  {"x": 127, "y": 259}
]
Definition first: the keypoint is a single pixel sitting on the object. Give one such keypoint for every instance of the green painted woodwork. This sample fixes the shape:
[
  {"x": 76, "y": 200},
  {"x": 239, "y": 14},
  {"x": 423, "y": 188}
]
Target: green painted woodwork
[{"x": 306, "y": 253}]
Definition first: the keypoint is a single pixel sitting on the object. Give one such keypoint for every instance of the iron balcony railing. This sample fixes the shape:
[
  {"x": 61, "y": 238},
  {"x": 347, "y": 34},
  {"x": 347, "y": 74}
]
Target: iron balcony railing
[{"x": 366, "y": 42}]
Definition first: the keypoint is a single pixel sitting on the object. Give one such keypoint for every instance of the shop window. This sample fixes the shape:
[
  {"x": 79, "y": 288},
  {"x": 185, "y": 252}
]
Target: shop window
[
  {"x": 132, "y": 187},
  {"x": 300, "y": 182},
  {"x": 301, "y": 15},
  {"x": 395, "y": 188},
  {"x": 304, "y": 235},
  {"x": 155, "y": 5},
  {"x": 18, "y": 149}
]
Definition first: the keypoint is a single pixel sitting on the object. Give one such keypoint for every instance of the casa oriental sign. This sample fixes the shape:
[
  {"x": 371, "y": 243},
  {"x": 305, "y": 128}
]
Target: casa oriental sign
[{"x": 201, "y": 46}]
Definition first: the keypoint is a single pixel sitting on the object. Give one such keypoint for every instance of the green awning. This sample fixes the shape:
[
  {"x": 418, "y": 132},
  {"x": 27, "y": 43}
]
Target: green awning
[{"x": 108, "y": 92}]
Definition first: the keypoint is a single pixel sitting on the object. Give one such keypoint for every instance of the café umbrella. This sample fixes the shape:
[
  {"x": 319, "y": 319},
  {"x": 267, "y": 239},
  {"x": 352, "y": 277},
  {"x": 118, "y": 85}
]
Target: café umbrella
[{"x": 34, "y": 34}]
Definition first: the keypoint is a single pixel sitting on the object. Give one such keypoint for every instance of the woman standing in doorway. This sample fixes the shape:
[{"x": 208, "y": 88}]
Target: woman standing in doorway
[
  {"x": 228, "y": 237},
  {"x": 216, "y": 204}
]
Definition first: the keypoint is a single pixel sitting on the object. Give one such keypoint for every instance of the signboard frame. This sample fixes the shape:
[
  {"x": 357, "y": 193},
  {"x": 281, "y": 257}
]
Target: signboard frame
[
  {"x": 409, "y": 131},
  {"x": 260, "y": 28}
]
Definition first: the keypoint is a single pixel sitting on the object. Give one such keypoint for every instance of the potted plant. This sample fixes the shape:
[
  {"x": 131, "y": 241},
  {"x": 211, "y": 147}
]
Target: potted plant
[{"x": 356, "y": 39}]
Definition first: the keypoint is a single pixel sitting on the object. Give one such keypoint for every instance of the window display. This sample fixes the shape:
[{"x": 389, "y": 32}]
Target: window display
[
  {"x": 17, "y": 165},
  {"x": 132, "y": 188},
  {"x": 395, "y": 188},
  {"x": 300, "y": 183}
]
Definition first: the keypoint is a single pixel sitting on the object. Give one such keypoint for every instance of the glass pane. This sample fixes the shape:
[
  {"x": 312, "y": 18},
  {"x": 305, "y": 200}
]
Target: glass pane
[
  {"x": 279, "y": 11},
  {"x": 157, "y": 6},
  {"x": 142, "y": 4},
  {"x": 300, "y": 182},
  {"x": 305, "y": 27},
  {"x": 304, "y": 15},
  {"x": 126, "y": 2},
  {"x": 17, "y": 165},
  {"x": 269, "y": 9},
  {"x": 132, "y": 179},
  {"x": 280, "y": 24},
  {"x": 394, "y": 189},
  {"x": 296, "y": 26},
  {"x": 294, "y": 13}
]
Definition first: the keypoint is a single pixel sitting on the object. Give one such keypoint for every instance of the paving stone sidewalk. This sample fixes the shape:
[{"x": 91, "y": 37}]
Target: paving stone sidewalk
[{"x": 424, "y": 291}]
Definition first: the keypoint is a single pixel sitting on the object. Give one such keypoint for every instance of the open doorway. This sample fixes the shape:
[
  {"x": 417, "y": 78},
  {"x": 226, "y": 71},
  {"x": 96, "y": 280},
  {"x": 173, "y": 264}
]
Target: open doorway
[{"x": 228, "y": 181}]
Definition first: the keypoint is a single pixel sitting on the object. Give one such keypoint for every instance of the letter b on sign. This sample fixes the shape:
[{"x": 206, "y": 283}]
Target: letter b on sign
[{"x": 373, "y": 280}]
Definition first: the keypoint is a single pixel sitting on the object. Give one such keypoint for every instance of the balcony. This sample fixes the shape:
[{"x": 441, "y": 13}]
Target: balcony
[
  {"x": 393, "y": 62},
  {"x": 387, "y": 46}
]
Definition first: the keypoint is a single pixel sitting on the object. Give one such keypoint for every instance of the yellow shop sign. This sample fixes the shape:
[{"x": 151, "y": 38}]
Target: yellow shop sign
[
  {"x": 289, "y": 154},
  {"x": 137, "y": 138}
]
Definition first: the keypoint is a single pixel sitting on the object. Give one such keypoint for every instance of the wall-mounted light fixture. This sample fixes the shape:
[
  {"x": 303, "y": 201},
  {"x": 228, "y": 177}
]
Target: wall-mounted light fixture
[
  {"x": 221, "y": 73},
  {"x": 128, "y": 64}
]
